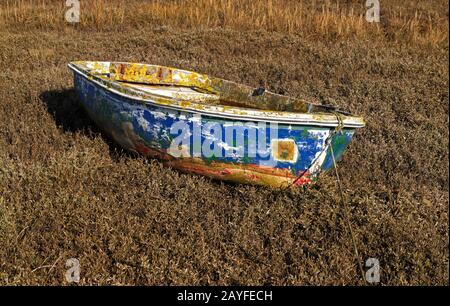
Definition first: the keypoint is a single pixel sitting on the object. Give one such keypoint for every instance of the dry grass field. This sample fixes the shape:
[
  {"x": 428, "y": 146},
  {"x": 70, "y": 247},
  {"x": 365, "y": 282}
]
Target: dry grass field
[{"x": 68, "y": 191}]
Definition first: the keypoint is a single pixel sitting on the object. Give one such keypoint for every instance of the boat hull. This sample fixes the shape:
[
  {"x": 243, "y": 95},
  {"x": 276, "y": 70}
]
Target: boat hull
[{"x": 261, "y": 153}]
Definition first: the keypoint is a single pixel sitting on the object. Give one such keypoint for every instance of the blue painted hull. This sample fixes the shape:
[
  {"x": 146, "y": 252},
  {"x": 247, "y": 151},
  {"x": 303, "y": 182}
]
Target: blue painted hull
[
  {"x": 204, "y": 125},
  {"x": 153, "y": 130}
]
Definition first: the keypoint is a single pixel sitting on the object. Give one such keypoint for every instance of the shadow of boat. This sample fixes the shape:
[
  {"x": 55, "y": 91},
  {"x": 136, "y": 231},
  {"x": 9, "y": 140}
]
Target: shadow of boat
[{"x": 70, "y": 116}]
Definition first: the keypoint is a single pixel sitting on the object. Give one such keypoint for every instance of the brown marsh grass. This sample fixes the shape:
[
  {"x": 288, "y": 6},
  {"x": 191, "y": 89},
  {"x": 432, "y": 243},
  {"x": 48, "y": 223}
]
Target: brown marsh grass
[
  {"x": 67, "y": 191},
  {"x": 410, "y": 21}
]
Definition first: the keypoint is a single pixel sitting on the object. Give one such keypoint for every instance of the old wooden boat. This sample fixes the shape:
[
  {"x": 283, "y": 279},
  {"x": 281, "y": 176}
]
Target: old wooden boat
[{"x": 213, "y": 127}]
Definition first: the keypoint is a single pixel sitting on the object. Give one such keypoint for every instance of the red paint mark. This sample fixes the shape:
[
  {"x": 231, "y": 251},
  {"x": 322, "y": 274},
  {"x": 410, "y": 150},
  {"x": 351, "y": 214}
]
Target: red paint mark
[
  {"x": 122, "y": 68},
  {"x": 252, "y": 176},
  {"x": 160, "y": 73},
  {"x": 225, "y": 172},
  {"x": 303, "y": 181},
  {"x": 303, "y": 178}
]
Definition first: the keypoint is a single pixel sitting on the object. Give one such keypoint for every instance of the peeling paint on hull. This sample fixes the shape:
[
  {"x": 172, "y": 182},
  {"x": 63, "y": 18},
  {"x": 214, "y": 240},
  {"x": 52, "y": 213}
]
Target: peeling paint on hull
[{"x": 147, "y": 128}]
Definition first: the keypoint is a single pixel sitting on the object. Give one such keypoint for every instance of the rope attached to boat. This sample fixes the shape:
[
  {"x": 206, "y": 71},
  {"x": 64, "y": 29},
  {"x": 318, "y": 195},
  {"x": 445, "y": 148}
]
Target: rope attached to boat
[{"x": 328, "y": 144}]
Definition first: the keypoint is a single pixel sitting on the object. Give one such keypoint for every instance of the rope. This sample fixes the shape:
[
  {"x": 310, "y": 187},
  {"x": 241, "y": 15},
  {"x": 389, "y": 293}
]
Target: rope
[
  {"x": 345, "y": 205},
  {"x": 328, "y": 144},
  {"x": 347, "y": 218}
]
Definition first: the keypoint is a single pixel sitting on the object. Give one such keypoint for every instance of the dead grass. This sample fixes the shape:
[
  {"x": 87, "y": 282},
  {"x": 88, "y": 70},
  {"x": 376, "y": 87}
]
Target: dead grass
[
  {"x": 67, "y": 191},
  {"x": 424, "y": 22}
]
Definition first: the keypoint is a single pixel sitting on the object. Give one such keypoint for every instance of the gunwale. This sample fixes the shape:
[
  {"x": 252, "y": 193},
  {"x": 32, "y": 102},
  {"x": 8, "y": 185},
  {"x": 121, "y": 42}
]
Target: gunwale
[{"x": 101, "y": 74}]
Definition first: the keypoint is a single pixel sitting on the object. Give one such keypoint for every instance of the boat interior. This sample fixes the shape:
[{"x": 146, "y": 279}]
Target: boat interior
[{"x": 173, "y": 83}]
